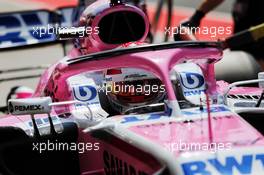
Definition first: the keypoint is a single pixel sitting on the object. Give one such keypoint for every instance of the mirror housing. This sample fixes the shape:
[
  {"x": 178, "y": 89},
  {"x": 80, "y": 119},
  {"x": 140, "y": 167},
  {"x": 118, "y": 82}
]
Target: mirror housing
[{"x": 29, "y": 106}]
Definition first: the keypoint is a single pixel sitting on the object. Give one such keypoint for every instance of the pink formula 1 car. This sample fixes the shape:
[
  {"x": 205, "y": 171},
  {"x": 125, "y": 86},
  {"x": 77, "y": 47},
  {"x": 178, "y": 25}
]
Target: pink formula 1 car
[{"x": 133, "y": 109}]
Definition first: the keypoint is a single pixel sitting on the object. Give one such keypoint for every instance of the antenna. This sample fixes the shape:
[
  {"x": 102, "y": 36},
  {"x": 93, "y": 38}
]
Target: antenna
[
  {"x": 201, "y": 108},
  {"x": 210, "y": 131},
  {"x": 210, "y": 90}
]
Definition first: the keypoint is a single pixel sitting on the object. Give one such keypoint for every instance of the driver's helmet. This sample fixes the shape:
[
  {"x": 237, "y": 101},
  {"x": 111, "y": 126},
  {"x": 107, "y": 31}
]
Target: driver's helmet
[
  {"x": 18, "y": 92},
  {"x": 129, "y": 87}
]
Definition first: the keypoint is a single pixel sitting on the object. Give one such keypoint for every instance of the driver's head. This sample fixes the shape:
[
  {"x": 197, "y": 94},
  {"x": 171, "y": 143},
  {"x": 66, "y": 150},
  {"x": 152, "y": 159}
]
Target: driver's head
[
  {"x": 128, "y": 88},
  {"x": 18, "y": 92},
  {"x": 112, "y": 25}
]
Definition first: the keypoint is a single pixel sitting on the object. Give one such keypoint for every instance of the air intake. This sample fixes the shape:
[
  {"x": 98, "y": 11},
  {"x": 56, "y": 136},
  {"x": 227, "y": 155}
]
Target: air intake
[{"x": 121, "y": 27}]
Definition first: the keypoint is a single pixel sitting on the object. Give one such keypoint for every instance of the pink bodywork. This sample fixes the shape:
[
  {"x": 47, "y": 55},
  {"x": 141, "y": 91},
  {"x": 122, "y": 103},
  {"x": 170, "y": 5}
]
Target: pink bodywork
[
  {"x": 158, "y": 62},
  {"x": 226, "y": 128},
  {"x": 222, "y": 85}
]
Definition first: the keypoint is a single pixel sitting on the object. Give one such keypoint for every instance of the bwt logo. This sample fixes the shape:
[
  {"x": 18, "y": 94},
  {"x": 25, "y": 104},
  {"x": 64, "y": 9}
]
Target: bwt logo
[
  {"x": 250, "y": 164},
  {"x": 84, "y": 93},
  {"x": 28, "y": 108},
  {"x": 192, "y": 80}
]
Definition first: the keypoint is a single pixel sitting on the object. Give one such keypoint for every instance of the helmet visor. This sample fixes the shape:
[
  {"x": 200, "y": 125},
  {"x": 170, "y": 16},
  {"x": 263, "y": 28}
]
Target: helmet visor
[{"x": 138, "y": 91}]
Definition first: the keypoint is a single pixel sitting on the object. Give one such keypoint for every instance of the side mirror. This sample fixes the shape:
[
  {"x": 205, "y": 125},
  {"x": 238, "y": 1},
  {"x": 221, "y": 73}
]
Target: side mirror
[
  {"x": 32, "y": 106},
  {"x": 29, "y": 106}
]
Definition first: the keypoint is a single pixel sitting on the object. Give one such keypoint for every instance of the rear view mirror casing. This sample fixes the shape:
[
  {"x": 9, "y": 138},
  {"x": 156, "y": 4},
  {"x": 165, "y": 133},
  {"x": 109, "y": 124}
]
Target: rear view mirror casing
[{"x": 29, "y": 106}]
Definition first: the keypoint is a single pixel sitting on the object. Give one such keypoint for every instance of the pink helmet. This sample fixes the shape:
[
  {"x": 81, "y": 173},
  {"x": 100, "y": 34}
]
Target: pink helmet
[
  {"x": 20, "y": 92},
  {"x": 111, "y": 24}
]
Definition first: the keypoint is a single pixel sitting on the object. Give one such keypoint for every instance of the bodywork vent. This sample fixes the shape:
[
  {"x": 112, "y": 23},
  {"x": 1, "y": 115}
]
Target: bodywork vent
[{"x": 244, "y": 97}]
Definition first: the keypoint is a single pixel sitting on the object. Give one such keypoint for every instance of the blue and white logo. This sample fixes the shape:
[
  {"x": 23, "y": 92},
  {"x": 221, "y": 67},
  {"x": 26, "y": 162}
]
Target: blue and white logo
[
  {"x": 248, "y": 164},
  {"x": 130, "y": 119},
  {"x": 192, "y": 80},
  {"x": 24, "y": 28},
  {"x": 187, "y": 112},
  {"x": 84, "y": 93}
]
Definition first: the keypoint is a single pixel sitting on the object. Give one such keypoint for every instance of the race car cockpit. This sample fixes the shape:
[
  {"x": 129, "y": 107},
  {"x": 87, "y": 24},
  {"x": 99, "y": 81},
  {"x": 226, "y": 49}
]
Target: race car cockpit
[
  {"x": 130, "y": 90},
  {"x": 137, "y": 91}
]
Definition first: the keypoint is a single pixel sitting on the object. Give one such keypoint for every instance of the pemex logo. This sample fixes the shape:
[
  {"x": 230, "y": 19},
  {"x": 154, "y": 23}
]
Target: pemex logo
[{"x": 192, "y": 80}]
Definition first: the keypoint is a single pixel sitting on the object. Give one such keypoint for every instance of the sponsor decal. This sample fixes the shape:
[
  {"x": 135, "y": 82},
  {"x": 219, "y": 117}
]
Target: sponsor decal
[
  {"x": 84, "y": 93},
  {"x": 20, "y": 28},
  {"x": 215, "y": 109},
  {"x": 193, "y": 83},
  {"x": 28, "y": 108},
  {"x": 194, "y": 92},
  {"x": 135, "y": 76},
  {"x": 43, "y": 121},
  {"x": 131, "y": 119},
  {"x": 190, "y": 112},
  {"x": 115, "y": 165},
  {"x": 192, "y": 80},
  {"x": 230, "y": 166}
]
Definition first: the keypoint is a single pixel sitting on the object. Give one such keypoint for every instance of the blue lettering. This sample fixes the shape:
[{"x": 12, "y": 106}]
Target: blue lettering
[
  {"x": 154, "y": 116},
  {"x": 84, "y": 93},
  {"x": 218, "y": 109},
  {"x": 187, "y": 93},
  {"x": 131, "y": 119},
  {"x": 137, "y": 119},
  {"x": 189, "y": 113},
  {"x": 38, "y": 122},
  {"x": 214, "y": 109},
  {"x": 195, "y": 92},
  {"x": 244, "y": 168},
  {"x": 11, "y": 22},
  {"x": 31, "y": 19},
  {"x": 23, "y": 28},
  {"x": 195, "y": 168},
  {"x": 261, "y": 158},
  {"x": 14, "y": 37}
]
